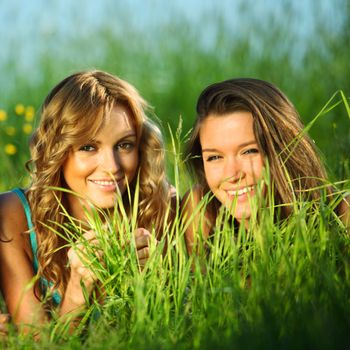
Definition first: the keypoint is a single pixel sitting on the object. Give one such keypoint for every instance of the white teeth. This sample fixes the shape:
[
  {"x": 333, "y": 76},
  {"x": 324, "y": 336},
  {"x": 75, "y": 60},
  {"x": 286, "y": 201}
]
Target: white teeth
[
  {"x": 104, "y": 183},
  {"x": 240, "y": 192}
]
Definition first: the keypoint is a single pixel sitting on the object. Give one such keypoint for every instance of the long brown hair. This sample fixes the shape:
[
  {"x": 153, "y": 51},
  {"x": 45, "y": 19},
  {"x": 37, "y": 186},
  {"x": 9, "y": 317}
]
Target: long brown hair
[
  {"x": 72, "y": 112},
  {"x": 294, "y": 162}
]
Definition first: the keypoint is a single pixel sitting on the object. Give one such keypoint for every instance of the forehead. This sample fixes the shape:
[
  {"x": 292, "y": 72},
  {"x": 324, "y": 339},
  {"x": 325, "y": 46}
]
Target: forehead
[
  {"x": 120, "y": 114},
  {"x": 119, "y": 120},
  {"x": 233, "y": 127}
]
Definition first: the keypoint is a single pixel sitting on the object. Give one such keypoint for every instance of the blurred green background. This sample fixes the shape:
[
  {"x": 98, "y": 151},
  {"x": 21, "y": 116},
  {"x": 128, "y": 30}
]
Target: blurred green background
[{"x": 171, "y": 50}]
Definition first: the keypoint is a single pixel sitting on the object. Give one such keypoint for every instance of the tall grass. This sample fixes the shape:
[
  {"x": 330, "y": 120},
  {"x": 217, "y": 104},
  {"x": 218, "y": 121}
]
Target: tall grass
[{"x": 277, "y": 285}]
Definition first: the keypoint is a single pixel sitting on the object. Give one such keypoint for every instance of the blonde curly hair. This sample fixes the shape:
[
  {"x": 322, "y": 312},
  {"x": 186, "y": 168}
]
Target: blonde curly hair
[{"x": 73, "y": 112}]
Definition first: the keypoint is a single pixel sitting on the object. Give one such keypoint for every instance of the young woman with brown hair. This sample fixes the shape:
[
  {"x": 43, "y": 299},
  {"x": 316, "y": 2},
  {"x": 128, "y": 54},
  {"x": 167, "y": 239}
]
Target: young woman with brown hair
[{"x": 244, "y": 128}]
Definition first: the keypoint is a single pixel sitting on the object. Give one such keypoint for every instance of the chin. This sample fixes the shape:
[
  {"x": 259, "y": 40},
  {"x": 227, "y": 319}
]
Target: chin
[
  {"x": 104, "y": 204},
  {"x": 241, "y": 215}
]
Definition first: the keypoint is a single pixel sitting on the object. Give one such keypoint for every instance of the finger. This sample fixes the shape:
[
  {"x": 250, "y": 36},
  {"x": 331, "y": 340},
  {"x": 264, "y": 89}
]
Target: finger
[
  {"x": 142, "y": 262},
  {"x": 91, "y": 243},
  {"x": 82, "y": 257},
  {"x": 143, "y": 253},
  {"x": 86, "y": 275},
  {"x": 4, "y": 318},
  {"x": 88, "y": 235},
  {"x": 142, "y": 241},
  {"x": 139, "y": 232}
]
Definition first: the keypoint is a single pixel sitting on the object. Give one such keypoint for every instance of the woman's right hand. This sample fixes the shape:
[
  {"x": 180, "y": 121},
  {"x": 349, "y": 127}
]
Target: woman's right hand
[{"x": 81, "y": 275}]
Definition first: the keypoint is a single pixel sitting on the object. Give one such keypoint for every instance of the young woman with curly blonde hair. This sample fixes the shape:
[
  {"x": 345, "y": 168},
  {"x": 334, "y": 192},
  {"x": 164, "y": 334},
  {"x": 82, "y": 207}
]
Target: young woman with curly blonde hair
[
  {"x": 244, "y": 126},
  {"x": 94, "y": 139}
]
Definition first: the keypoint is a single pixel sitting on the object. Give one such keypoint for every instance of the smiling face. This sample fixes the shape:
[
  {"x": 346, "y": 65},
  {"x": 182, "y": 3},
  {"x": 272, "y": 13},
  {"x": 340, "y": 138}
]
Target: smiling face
[
  {"x": 232, "y": 161},
  {"x": 100, "y": 169}
]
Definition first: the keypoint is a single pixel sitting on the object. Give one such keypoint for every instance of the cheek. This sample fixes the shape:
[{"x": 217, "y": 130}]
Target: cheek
[
  {"x": 69, "y": 170},
  {"x": 130, "y": 164},
  {"x": 256, "y": 167},
  {"x": 212, "y": 176},
  {"x": 75, "y": 168}
]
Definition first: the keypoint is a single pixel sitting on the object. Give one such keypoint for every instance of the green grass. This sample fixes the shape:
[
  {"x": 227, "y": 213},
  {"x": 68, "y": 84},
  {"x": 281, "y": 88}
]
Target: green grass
[{"x": 278, "y": 285}]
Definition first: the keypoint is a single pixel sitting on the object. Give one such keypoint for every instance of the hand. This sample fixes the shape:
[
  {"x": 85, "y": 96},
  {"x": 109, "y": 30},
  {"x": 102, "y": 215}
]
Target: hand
[
  {"x": 143, "y": 240},
  {"x": 4, "y": 323},
  {"x": 79, "y": 262}
]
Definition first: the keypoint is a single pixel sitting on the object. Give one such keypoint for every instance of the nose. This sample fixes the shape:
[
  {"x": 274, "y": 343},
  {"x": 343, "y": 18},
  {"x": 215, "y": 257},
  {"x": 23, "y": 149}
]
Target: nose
[
  {"x": 233, "y": 171},
  {"x": 110, "y": 162}
]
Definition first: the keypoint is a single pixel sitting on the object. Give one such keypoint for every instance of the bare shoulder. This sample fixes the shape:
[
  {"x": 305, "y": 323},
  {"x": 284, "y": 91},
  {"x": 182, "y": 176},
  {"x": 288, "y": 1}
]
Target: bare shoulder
[
  {"x": 13, "y": 221},
  {"x": 16, "y": 259}
]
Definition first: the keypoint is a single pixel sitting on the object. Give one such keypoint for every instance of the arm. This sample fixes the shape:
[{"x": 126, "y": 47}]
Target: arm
[
  {"x": 17, "y": 274},
  {"x": 16, "y": 264},
  {"x": 80, "y": 277}
]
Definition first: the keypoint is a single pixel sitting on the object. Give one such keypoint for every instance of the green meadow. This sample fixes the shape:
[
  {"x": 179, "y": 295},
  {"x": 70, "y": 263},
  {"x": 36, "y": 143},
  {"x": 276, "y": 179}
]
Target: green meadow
[{"x": 280, "y": 285}]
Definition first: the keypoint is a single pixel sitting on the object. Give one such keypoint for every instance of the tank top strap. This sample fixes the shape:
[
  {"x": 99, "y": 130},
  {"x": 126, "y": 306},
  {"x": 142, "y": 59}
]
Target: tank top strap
[{"x": 33, "y": 242}]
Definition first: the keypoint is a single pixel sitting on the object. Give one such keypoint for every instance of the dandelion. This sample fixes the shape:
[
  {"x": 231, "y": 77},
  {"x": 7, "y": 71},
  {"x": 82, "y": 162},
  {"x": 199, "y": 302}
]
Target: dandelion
[
  {"x": 27, "y": 128},
  {"x": 10, "y": 130},
  {"x": 10, "y": 149},
  {"x": 3, "y": 115},
  {"x": 29, "y": 114},
  {"x": 19, "y": 109}
]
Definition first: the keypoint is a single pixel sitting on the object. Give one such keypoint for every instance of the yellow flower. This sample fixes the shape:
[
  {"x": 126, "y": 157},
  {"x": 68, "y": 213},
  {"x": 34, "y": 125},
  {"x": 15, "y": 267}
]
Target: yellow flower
[
  {"x": 29, "y": 114},
  {"x": 27, "y": 128},
  {"x": 10, "y": 130},
  {"x": 19, "y": 109},
  {"x": 10, "y": 149},
  {"x": 3, "y": 115}
]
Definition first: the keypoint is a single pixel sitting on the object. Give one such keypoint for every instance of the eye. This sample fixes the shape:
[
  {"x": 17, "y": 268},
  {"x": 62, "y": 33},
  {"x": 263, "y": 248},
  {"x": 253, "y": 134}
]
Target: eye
[
  {"x": 251, "y": 151},
  {"x": 125, "y": 146},
  {"x": 213, "y": 158},
  {"x": 87, "y": 148}
]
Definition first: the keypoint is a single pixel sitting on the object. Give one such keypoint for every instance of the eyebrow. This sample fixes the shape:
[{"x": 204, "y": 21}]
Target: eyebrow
[
  {"x": 244, "y": 144},
  {"x": 132, "y": 134},
  {"x": 121, "y": 138}
]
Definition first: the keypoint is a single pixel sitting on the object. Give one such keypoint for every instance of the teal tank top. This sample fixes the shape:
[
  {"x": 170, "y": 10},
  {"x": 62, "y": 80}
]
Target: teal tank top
[{"x": 56, "y": 297}]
